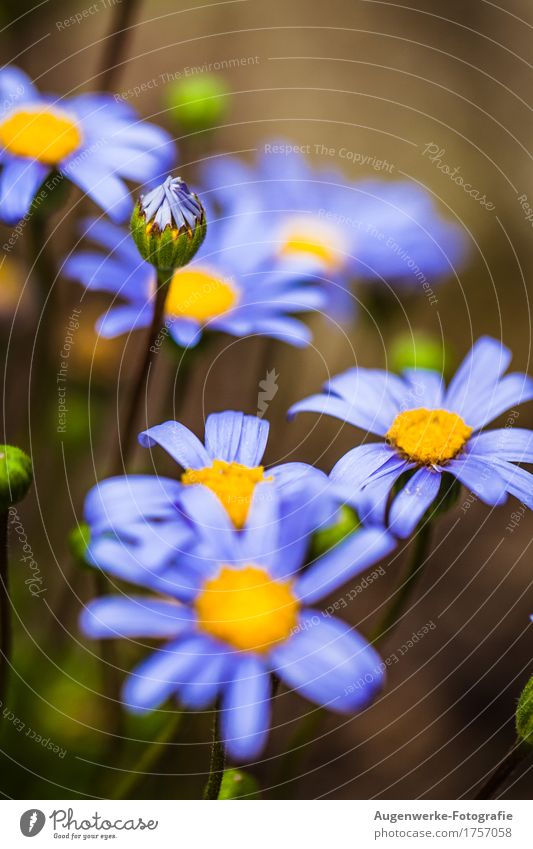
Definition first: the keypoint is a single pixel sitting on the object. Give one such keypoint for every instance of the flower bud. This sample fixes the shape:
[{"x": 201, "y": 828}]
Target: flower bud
[
  {"x": 326, "y": 538},
  {"x": 168, "y": 225},
  {"x": 16, "y": 476},
  {"x": 199, "y": 103},
  {"x": 420, "y": 350},
  {"x": 524, "y": 714},
  {"x": 237, "y": 784},
  {"x": 78, "y": 542}
]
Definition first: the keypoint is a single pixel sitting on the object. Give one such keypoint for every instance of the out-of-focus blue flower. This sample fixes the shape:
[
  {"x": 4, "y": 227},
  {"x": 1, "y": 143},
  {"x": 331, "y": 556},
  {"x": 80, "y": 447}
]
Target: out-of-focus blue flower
[
  {"x": 235, "y": 284},
  {"x": 92, "y": 140},
  {"x": 430, "y": 430},
  {"x": 365, "y": 230},
  {"x": 238, "y": 613}
]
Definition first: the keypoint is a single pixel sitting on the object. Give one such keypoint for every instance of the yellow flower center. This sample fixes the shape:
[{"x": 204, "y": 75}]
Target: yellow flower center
[
  {"x": 233, "y": 483},
  {"x": 45, "y": 134},
  {"x": 198, "y": 294},
  {"x": 428, "y": 437},
  {"x": 247, "y": 609},
  {"x": 314, "y": 238}
]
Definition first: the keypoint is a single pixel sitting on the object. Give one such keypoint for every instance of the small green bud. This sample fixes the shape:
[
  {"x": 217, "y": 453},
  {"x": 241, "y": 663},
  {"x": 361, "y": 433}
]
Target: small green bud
[
  {"x": 168, "y": 225},
  {"x": 199, "y": 103},
  {"x": 524, "y": 714},
  {"x": 237, "y": 784},
  {"x": 419, "y": 351},
  {"x": 78, "y": 541},
  {"x": 16, "y": 476},
  {"x": 327, "y": 538}
]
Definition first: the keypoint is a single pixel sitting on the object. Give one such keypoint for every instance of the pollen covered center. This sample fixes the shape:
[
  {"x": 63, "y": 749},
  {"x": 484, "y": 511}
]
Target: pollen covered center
[
  {"x": 198, "y": 294},
  {"x": 46, "y": 135},
  {"x": 233, "y": 483},
  {"x": 428, "y": 437},
  {"x": 308, "y": 236},
  {"x": 247, "y": 608}
]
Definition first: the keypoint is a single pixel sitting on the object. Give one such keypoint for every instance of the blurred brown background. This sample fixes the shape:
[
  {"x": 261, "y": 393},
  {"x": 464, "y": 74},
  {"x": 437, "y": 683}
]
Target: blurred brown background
[{"x": 379, "y": 79}]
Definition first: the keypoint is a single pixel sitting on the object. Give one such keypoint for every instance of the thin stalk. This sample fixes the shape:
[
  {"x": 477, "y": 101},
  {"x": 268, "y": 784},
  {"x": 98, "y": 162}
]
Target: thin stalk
[
  {"x": 116, "y": 43},
  {"x": 5, "y": 611},
  {"x": 125, "y": 443},
  {"x": 394, "y": 611},
  {"x": 218, "y": 762},
  {"x": 148, "y": 759},
  {"x": 505, "y": 769}
]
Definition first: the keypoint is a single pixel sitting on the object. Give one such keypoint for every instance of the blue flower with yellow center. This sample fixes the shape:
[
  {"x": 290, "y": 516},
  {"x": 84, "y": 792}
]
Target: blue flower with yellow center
[
  {"x": 234, "y": 610},
  {"x": 365, "y": 230},
  {"x": 91, "y": 140},
  {"x": 228, "y": 463},
  {"x": 233, "y": 285},
  {"x": 429, "y": 430}
]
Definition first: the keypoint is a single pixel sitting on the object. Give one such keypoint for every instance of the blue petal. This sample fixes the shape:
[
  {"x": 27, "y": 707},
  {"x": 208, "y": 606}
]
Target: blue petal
[
  {"x": 479, "y": 475},
  {"x": 123, "y": 319},
  {"x": 134, "y": 616},
  {"x": 358, "y": 552},
  {"x": 115, "y": 501},
  {"x": 15, "y": 88},
  {"x": 427, "y": 387},
  {"x": 203, "y": 690},
  {"x": 412, "y": 502},
  {"x": 359, "y": 464},
  {"x": 234, "y": 437},
  {"x": 162, "y": 674},
  {"x": 115, "y": 239},
  {"x": 121, "y": 560},
  {"x": 469, "y": 390},
  {"x": 511, "y": 390},
  {"x": 518, "y": 481},
  {"x": 185, "y": 332},
  {"x": 509, "y": 443},
  {"x": 104, "y": 188},
  {"x": 211, "y": 520},
  {"x": 378, "y": 396},
  {"x": 329, "y": 663},
  {"x": 178, "y": 441},
  {"x": 19, "y": 181},
  {"x": 245, "y": 714}
]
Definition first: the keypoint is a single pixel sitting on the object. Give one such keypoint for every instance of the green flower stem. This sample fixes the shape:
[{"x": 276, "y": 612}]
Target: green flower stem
[
  {"x": 218, "y": 761},
  {"x": 505, "y": 769},
  {"x": 5, "y": 610},
  {"x": 125, "y": 443},
  {"x": 393, "y": 613},
  {"x": 115, "y": 50},
  {"x": 148, "y": 759}
]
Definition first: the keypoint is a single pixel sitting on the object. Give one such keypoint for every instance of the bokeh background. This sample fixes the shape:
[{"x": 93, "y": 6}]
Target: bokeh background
[{"x": 382, "y": 80}]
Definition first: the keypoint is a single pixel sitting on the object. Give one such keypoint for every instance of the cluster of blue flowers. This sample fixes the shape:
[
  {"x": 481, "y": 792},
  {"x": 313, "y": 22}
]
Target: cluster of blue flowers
[{"x": 225, "y": 547}]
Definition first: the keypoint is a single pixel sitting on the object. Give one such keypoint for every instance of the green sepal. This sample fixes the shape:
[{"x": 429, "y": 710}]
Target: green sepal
[{"x": 237, "y": 784}]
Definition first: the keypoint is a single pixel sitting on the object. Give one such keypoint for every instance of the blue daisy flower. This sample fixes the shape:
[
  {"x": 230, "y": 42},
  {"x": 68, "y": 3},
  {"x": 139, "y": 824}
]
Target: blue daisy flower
[
  {"x": 138, "y": 508},
  {"x": 233, "y": 285},
  {"x": 241, "y": 615},
  {"x": 430, "y": 430},
  {"x": 365, "y": 230},
  {"x": 91, "y": 140}
]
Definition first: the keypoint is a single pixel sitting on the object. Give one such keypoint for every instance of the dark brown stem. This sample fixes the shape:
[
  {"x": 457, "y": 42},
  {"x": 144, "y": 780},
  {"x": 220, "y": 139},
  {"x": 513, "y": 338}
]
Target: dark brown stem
[
  {"x": 504, "y": 770},
  {"x": 115, "y": 49},
  {"x": 218, "y": 762},
  {"x": 125, "y": 442}
]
